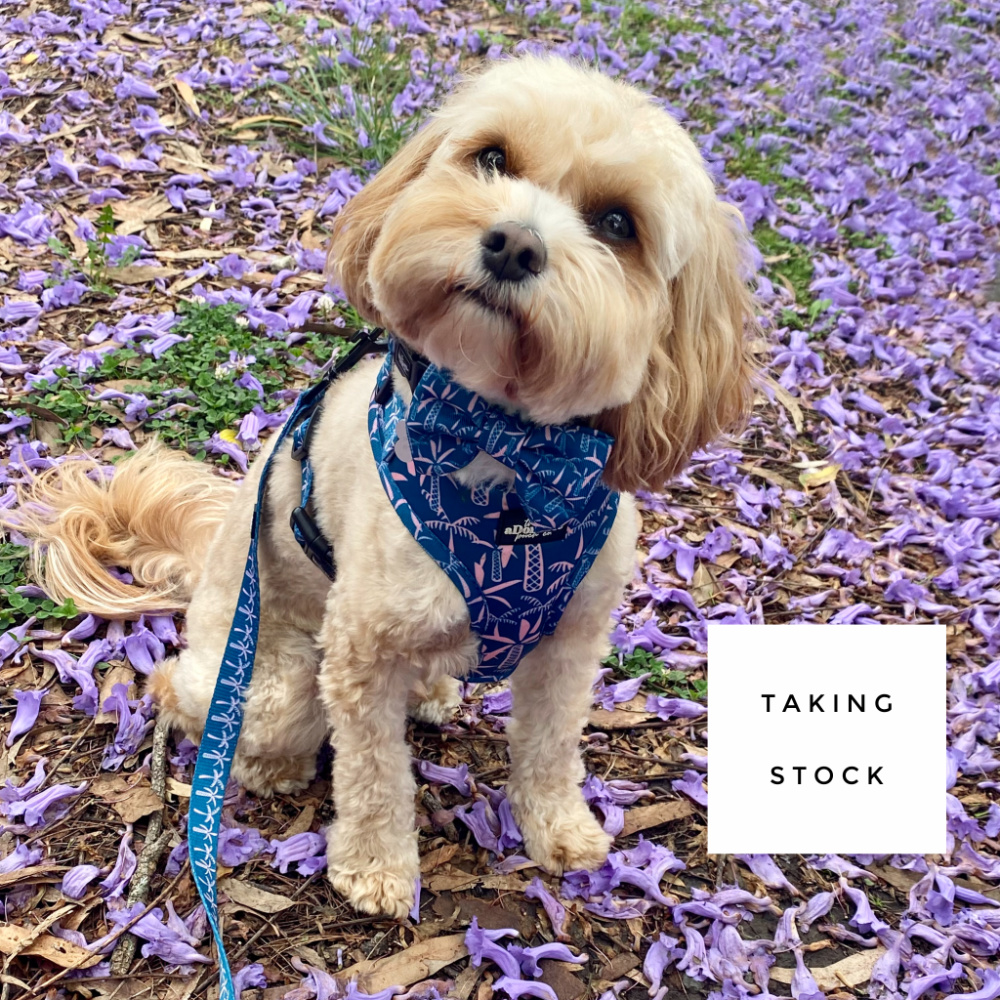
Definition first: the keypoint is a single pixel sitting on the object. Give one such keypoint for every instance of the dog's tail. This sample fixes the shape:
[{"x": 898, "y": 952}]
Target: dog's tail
[{"x": 154, "y": 516}]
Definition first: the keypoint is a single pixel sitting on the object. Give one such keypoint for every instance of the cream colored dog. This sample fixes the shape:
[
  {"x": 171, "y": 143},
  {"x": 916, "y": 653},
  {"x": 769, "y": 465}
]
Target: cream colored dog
[{"x": 626, "y": 307}]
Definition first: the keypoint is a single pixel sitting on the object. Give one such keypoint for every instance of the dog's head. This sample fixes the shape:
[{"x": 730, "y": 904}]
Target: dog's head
[{"x": 552, "y": 237}]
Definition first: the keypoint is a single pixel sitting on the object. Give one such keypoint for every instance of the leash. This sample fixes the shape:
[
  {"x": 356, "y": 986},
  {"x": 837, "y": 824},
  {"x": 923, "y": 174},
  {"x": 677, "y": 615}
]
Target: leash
[{"x": 225, "y": 715}]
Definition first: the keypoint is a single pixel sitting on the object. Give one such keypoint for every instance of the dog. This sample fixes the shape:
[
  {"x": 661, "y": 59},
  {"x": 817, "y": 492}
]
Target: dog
[{"x": 552, "y": 239}]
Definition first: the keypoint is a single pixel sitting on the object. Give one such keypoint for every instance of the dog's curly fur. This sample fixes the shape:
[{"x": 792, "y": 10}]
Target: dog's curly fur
[{"x": 645, "y": 338}]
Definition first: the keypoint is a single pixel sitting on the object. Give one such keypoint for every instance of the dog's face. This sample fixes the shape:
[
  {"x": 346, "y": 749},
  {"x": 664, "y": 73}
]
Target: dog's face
[{"x": 553, "y": 239}]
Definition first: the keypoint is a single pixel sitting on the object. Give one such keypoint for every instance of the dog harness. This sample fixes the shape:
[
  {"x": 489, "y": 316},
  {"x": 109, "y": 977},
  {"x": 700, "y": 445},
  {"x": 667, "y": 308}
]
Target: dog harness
[{"x": 515, "y": 555}]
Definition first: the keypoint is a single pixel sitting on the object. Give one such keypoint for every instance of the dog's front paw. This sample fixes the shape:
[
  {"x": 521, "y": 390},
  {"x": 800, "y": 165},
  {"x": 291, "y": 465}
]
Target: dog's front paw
[
  {"x": 378, "y": 886},
  {"x": 564, "y": 841},
  {"x": 377, "y": 892},
  {"x": 436, "y": 704},
  {"x": 265, "y": 776}
]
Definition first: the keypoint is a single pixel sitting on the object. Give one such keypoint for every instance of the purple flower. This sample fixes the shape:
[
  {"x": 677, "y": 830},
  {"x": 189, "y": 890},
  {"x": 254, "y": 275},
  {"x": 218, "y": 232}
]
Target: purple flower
[
  {"x": 71, "y": 671},
  {"x": 498, "y": 703},
  {"x": 554, "y": 909},
  {"x": 171, "y": 942},
  {"x": 674, "y": 708},
  {"x": 176, "y": 859},
  {"x": 124, "y": 869},
  {"x": 818, "y": 906},
  {"x": 763, "y": 866},
  {"x": 33, "y": 809},
  {"x": 76, "y": 880},
  {"x": 609, "y": 695},
  {"x": 187, "y": 754},
  {"x": 482, "y": 821},
  {"x": 132, "y": 726},
  {"x": 316, "y": 983},
  {"x": 302, "y": 847},
  {"x": 662, "y": 952},
  {"x": 21, "y": 857},
  {"x": 530, "y": 957},
  {"x": 13, "y": 639},
  {"x": 83, "y": 630},
  {"x": 28, "y": 703},
  {"x": 143, "y": 649},
  {"x": 439, "y": 774},
  {"x": 249, "y": 977},
  {"x": 298, "y": 312},
  {"x": 515, "y": 987},
  {"x": 238, "y": 845},
  {"x": 217, "y": 445},
  {"x": 482, "y": 944},
  {"x": 18, "y": 793},
  {"x": 864, "y": 918},
  {"x": 691, "y": 785},
  {"x": 609, "y": 797}
]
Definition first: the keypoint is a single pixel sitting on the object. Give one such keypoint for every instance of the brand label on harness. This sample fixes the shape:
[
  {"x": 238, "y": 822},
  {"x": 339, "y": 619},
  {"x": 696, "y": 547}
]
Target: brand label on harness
[{"x": 515, "y": 528}]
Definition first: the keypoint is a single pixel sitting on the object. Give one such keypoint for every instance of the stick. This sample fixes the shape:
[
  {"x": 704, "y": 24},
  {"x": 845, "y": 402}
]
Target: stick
[{"x": 152, "y": 848}]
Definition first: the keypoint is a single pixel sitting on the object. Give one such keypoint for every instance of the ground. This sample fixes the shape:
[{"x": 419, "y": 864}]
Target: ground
[{"x": 168, "y": 176}]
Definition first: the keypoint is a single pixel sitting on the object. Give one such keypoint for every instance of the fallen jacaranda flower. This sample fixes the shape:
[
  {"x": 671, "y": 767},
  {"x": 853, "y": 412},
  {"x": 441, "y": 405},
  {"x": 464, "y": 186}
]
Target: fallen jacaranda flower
[
  {"x": 439, "y": 774},
  {"x": 76, "y": 880},
  {"x": 114, "y": 885},
  {"x": 302, "y": 847},
  {"x": 28, "y": 703}
]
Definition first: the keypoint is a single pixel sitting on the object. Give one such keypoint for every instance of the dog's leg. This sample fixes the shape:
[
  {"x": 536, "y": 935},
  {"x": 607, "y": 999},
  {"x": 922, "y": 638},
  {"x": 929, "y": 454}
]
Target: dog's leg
[
  {"x": 552, "y": 690},
  {"x": 372, "y": 854},
  {"x": 283, "y": 719}
]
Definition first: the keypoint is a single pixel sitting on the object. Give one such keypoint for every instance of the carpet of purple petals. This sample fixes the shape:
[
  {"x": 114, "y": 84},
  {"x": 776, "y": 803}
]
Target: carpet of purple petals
[{"x": 862, "y": 142}]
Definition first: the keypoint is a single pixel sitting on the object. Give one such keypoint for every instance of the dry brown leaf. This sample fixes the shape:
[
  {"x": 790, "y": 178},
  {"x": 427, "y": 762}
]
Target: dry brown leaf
[
  {"x": 819, "y": 477},
  {"x": 178, "y": 788},
  {"x": 302, "y": 823},
  {"x": 253, "y": 897},
  {"x": 65, "y": 954},
  {"x": 644, "y": 817},
  {"x": 137, "y": 274},
  {"x": 140, "y": 988},
  {"x": 439, "y": 856},
  {"x": 506, "y": 883},
  {"x": 851, "y": 971},
  {"x": 130, "y": 801},
  {"x": 618, "y": 719},
  {"x": 198, "y": 254},
  {"x": 134, "y": 214},
  {"x": 260, "y": 120},
  {"x": 409, "y": 966},
  {"x": 790, "y": 403},
  {"x": 30, "y": 874},
  {"x": 187, "y": 96}
]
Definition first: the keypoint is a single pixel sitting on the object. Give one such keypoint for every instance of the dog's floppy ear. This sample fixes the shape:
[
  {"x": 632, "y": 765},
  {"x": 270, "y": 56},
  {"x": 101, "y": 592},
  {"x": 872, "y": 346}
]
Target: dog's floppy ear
[
  {"x": 359, "y": 222},
  {"x": 699, "y": 379}
]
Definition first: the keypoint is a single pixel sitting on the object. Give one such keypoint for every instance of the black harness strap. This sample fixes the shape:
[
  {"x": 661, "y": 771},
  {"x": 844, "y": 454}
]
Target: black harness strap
[{"x": 303, "y": 522}]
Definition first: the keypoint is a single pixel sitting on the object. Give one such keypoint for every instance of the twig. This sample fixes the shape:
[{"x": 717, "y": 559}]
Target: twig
[
  {"x": 152, "y": 848},
  {"x": 59, "y": 763}
]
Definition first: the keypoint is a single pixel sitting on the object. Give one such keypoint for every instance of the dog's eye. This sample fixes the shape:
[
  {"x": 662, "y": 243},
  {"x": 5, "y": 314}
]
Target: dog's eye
[
  {"x": 493, "y": 160},
  {"x": 616, "y": 224}
]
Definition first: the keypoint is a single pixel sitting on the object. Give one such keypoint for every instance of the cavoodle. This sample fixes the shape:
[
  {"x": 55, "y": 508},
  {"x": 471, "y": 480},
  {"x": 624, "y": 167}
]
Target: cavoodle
[{"x": 549, "y": 247}]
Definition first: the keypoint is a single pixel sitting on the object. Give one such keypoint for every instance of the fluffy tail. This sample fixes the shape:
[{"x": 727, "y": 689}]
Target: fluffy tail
[{"x": 154, "y": 516}]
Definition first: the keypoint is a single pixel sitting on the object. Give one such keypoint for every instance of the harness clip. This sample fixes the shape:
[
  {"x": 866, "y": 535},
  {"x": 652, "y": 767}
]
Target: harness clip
[{"x": 313, "y": 541}]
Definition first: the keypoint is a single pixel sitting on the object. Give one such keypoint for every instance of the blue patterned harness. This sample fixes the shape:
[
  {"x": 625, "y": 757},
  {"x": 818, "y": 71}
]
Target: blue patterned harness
[{"x": 515, "y": 555}]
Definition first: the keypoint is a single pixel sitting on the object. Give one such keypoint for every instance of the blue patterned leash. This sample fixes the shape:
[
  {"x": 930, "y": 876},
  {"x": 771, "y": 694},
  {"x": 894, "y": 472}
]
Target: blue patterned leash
[{"x": 225, "y": 715}]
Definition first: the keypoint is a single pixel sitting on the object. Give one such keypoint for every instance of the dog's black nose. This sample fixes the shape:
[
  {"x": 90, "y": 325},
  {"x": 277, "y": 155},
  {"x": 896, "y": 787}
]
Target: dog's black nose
[{"x": 512, "y": 252}]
